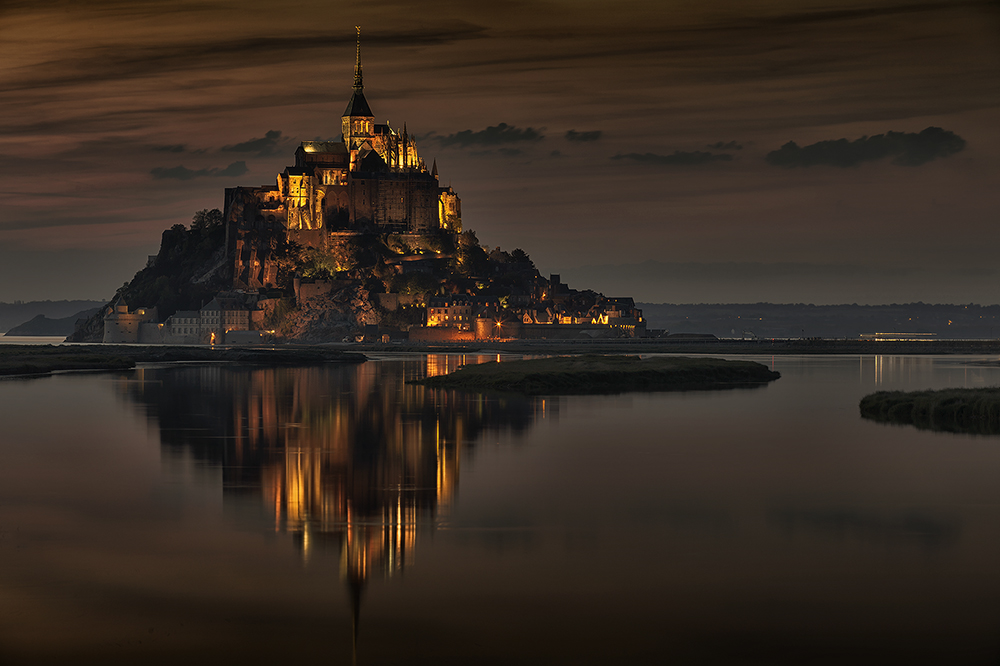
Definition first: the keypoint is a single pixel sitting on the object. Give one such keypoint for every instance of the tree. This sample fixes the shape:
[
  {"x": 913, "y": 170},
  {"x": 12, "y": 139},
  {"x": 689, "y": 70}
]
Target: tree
[
  {"x": 519, "y": 256},
  {"x": 206, "y": 220}
]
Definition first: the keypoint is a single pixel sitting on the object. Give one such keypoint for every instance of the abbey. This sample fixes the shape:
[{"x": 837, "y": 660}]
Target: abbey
[
  {"x": 357, "y": 240},
  {"x": 372, "y": 180}
]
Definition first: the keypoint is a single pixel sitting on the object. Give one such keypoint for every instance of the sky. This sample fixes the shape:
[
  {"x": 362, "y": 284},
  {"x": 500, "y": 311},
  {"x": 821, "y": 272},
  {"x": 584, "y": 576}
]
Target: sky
[{"x": 813, "y": 151}]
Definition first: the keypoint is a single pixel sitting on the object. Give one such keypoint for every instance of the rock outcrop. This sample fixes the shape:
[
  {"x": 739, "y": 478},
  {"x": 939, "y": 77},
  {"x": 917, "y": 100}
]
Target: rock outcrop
[{"x": 334, "y": 316}]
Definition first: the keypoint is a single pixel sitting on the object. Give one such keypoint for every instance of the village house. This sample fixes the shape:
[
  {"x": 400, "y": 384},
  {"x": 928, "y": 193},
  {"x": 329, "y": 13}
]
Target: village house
[{"x": 450, "y": 311}]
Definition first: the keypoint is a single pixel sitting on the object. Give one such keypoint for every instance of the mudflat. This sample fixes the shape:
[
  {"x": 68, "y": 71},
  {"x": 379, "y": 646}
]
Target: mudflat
[
  {"x": 597, "y": 374},
  {"x": 44, "y": 359}
]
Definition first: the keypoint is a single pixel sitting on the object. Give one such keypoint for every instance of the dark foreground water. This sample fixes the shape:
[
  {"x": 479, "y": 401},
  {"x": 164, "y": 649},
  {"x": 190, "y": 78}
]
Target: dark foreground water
[{"x": 259, "y": 516}]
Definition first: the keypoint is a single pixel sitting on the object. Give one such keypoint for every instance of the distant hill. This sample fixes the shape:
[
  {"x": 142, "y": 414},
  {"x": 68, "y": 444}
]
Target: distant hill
[
  {"x": 42, "y": 325},
  {"x": 19, "y": 312},
  {"x": 770, "y": 320}
]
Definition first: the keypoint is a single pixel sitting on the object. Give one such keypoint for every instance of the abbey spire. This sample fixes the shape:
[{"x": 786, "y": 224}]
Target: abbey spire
[
  {"x": 358, "y": 120},
  {"x": 359, "y": 84}
]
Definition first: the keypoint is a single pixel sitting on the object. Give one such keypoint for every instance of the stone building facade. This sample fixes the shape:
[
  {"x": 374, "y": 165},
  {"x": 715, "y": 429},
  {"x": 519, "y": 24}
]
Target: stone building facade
[
  {"x": 373, "y": 179},
  {"x": 123, "y": 325},
  {"x": 450, "y": 311},
  {"x": 216, "y": 320}
]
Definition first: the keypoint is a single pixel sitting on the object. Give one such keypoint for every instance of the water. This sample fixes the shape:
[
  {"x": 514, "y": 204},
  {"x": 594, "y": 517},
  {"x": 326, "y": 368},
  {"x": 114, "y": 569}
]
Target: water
[{"x": 204, "y": 514}]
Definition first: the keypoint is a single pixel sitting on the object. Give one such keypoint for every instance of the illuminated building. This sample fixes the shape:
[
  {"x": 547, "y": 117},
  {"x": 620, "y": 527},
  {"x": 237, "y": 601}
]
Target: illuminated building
[
  {"x": 452, "y": 311},
  {"x": 370, "y": 180},
  {"x": 123, "y": 325}
]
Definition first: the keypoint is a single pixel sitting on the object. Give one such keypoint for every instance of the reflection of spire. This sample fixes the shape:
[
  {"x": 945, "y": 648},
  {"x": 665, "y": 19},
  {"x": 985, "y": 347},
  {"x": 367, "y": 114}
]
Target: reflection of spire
[
  {"x": 358, "y": 83},
  {"x": 356, "y": 586}
]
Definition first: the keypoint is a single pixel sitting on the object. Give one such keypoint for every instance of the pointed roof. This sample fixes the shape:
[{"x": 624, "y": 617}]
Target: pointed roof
[
  {"x": 358, "y": 106},
  {"x": 434, "y": 169},
  {"x": 369, "y": 160}
]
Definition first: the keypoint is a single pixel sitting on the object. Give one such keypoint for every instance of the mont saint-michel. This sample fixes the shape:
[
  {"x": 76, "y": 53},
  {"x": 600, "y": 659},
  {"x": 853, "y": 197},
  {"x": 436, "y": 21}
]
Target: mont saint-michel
[{"x": 358, "y": 238}]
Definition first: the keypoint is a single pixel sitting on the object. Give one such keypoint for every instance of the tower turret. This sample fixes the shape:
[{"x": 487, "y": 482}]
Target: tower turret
[{"x": 358, "y": 121}]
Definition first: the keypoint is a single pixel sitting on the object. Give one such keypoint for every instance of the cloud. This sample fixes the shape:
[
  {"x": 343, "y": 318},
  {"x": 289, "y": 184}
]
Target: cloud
[
  {"x": 678, "y": 158},
  {"x": 491, "y": 136},
  {"x": 118, "y": 61},
  {"x": 592, "y": 135},
  {"x": 907, "y": 149},
  {"x": 172, "y": 148},
  {"x": 264, "y": 146},
  {"x": 731, "y": 145},
  {"x": 505, "y": 152},
  {"x": 183, "y": 173}
]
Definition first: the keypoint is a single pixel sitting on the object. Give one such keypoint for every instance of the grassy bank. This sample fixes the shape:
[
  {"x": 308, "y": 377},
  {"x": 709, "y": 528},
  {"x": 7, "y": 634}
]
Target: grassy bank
[
  {"x": 975, "y": 411},
  {"x": 44, "y": 359},
  {"x": 604, "y": 374}
]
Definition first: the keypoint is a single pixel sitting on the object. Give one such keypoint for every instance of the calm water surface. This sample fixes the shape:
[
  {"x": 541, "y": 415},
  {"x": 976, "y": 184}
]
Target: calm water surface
[{"x": 198, "y": 514}]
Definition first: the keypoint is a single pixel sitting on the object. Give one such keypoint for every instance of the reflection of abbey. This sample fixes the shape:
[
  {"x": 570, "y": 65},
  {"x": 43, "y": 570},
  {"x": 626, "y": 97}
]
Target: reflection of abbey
[
  {"x": 371, "y": 462},
  {"x": 371, "y": 180}
]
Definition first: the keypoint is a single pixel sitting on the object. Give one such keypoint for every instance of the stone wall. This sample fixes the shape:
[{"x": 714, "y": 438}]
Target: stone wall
[
  {"x": 391, "y": 302},
  {"x": 441, "y": 334}
]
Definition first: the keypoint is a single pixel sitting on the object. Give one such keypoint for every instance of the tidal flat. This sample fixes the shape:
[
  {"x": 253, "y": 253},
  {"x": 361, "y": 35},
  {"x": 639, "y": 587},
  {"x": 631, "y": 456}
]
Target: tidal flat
[
  {"x": 599, "y": 374},
  {"x": 961, "y": 410},
  {"x": 46, "y": 359}
]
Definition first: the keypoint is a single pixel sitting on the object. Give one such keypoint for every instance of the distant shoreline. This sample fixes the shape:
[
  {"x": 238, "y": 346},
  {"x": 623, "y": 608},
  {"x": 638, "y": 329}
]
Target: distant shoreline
[{"x": 710, "y": 346}]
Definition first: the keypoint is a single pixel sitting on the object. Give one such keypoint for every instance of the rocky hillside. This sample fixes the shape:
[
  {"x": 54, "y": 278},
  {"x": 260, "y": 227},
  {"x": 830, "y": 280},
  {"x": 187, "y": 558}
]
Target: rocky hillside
[
  {"x": 190, "y": 268},
  {"x": 331, "y": 293}
]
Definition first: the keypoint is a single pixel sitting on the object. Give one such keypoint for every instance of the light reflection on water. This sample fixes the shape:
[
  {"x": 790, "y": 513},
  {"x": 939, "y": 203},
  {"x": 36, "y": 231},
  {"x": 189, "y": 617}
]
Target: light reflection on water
[
  {"x": 206, "y": 514},
  {"x": 350, "y": 459}
]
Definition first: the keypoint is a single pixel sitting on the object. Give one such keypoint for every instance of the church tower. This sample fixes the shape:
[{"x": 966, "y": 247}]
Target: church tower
[{"x": 358, "y": 121}]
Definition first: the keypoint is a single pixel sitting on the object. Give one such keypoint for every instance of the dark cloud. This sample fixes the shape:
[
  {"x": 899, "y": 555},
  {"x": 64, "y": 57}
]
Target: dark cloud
[
  {"x": 491, "y": 136},
  {"x": 678, "y": 158},
  {"x": 740, "y": 29},
  {"x": 907, "y": 148},
  {"x": 125, "y": 61},
  {"x": 592, "y": 135},
  {"x": 504, "y": 152},
  {"x": 262, "y": 147},
  {"x": 172, "y": 148},
  {"x": 731, "y": 145},
  {"x": 183, "y": 173}
]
